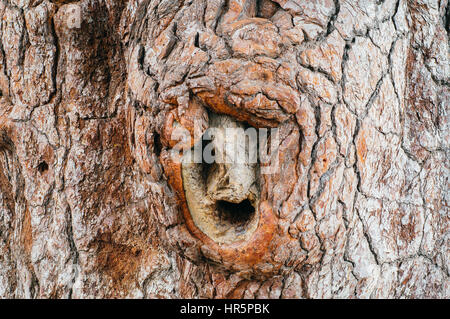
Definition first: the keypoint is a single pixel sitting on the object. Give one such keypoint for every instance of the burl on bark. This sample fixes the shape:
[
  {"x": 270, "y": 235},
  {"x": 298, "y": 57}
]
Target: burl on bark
[{"x": 93, "y": 204}]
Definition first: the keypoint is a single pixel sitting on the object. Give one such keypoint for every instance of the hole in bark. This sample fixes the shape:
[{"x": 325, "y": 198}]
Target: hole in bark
[
  {"x": 266, "y": 9},
  {"x": 42, "y": 167},
  {"x": 196, "y": 41},
  {"x": 222, "y": 193},
  {"x": 235, "y": 213},
  {"x": 157, "y": 145}
]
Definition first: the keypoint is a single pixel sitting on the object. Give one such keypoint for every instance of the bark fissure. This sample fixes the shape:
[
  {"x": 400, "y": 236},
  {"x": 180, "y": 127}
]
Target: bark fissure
[{"x": 92, "y": 204}]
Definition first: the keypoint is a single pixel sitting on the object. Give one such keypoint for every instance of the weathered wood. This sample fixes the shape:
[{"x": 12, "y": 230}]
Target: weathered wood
[{"x": 92, "y": 204}]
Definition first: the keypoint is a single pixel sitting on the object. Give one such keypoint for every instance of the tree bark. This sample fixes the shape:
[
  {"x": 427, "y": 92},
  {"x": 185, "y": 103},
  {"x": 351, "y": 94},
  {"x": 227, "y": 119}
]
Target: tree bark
[{"x": 92, "y": 206}]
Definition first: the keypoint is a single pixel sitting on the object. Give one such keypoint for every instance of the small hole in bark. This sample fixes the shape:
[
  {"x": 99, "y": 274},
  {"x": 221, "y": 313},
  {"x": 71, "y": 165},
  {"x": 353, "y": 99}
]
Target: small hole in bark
[
  {"x": 266, "y": 9},
  {"x": 235, "y": 213},
  {"x": 196, "y": 40},
  {"x": 42, "y": 167}
]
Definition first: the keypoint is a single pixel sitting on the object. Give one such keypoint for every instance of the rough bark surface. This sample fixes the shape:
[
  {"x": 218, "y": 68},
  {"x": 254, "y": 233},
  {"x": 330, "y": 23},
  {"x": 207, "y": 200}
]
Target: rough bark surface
[{"x": 92, "y": 207}]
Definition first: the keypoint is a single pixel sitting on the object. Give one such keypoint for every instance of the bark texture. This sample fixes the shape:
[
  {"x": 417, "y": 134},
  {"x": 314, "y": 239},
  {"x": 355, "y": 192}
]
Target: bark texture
[{"x": 91, "y": 206}]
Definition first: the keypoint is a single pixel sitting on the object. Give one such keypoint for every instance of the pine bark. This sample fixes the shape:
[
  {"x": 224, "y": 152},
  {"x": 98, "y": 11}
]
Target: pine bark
[{"x": 89, "y": 92}]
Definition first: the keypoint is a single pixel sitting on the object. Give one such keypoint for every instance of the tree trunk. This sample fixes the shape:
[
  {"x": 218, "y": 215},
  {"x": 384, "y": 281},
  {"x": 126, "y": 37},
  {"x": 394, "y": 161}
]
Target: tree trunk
[{"x": 92, "y": 205}]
